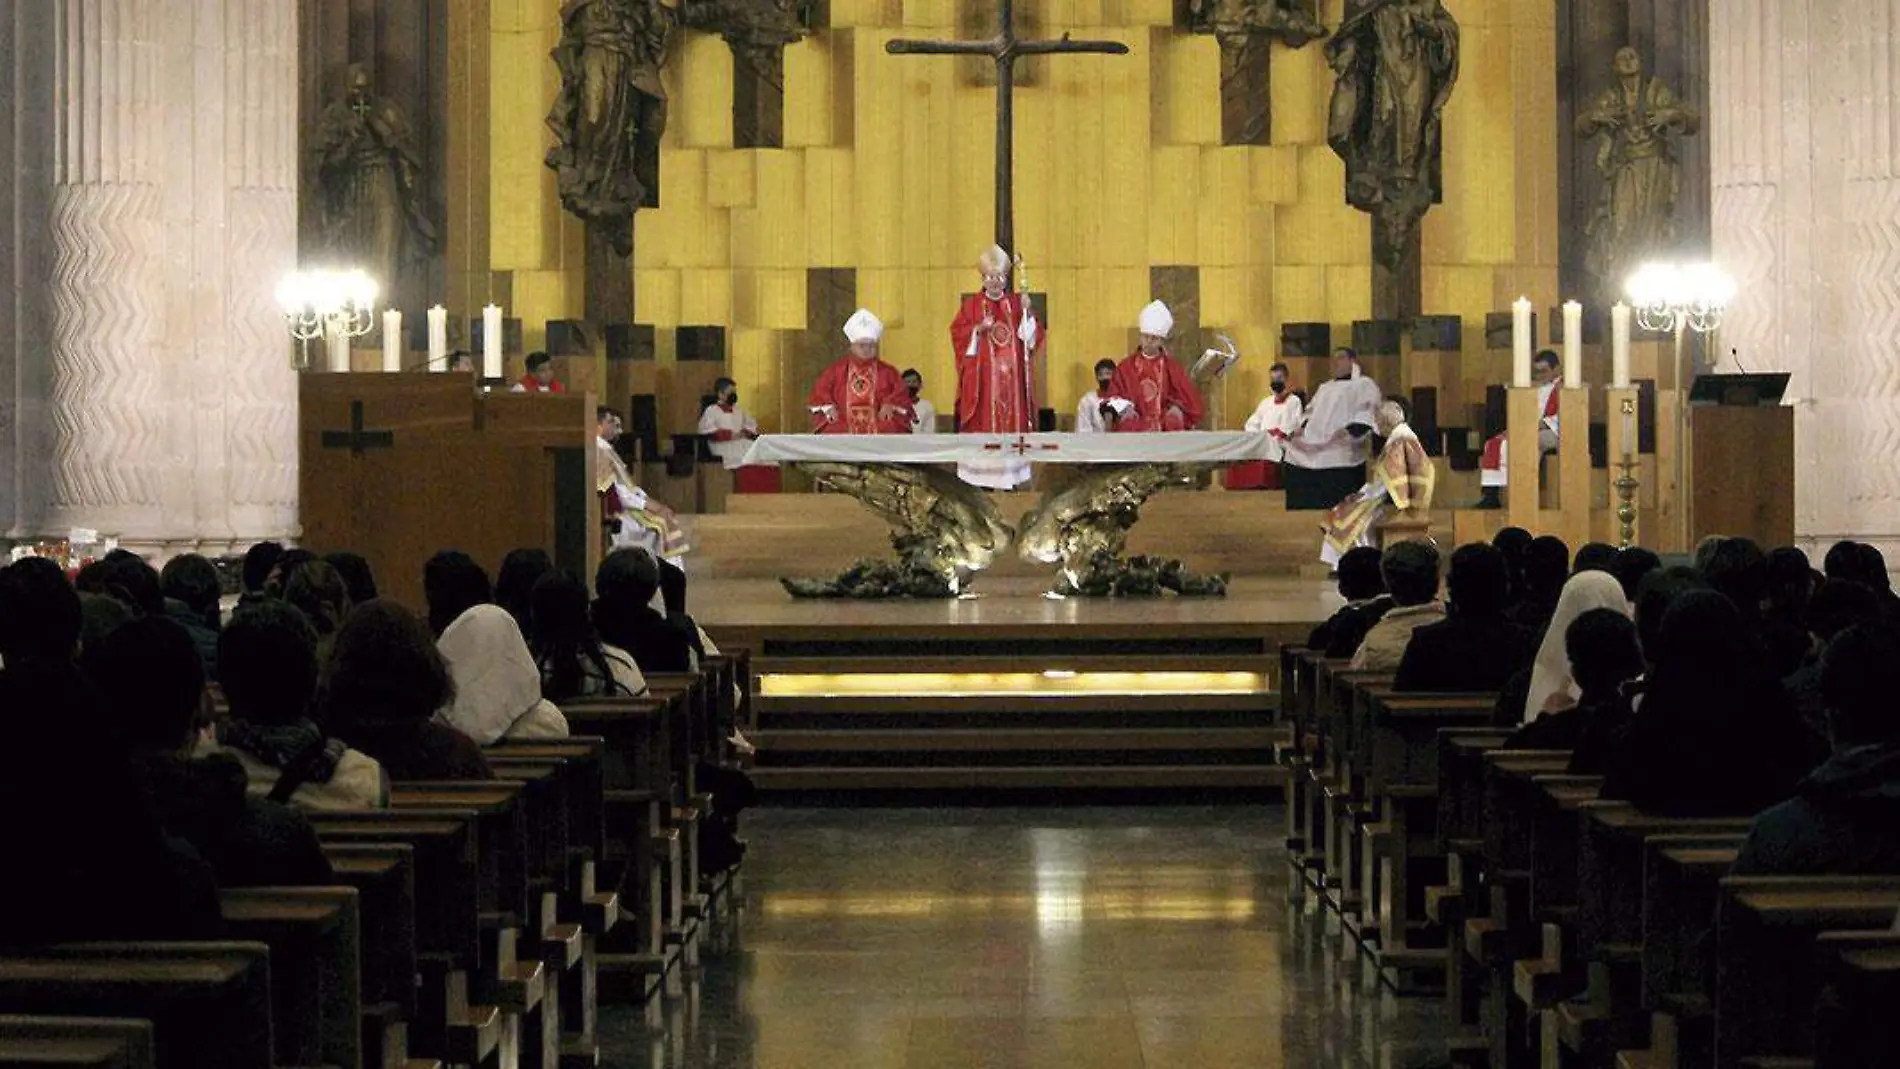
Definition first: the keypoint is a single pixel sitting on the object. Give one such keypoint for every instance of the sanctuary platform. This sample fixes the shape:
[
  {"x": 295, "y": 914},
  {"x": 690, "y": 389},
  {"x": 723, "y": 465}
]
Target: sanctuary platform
[{"x": 1008, "y": 692}]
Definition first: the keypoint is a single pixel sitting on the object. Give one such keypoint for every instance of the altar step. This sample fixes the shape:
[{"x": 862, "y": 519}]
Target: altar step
[{"x": 901, "y": 747}]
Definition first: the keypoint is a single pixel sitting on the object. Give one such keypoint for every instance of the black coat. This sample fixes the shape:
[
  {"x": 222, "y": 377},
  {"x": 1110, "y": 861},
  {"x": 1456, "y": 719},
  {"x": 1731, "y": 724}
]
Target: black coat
[
  {"x": 248, "y": 842},
  {"x": 1843, "y": 820},
  {"x": 1461, "y": 655}
]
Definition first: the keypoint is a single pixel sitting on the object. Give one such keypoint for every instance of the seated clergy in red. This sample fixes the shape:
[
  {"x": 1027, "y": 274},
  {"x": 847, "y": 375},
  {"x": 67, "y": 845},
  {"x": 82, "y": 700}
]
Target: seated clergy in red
[
  {"x": 861, "y": 394},
  {"x": 1151, "y": 391}
]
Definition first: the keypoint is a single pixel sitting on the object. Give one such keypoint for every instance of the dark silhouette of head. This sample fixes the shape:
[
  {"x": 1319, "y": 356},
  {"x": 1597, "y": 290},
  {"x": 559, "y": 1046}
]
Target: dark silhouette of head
[
  {"x": 1411, "y": 572},
  {"x": 259, "y": 561},
  {"x": 1603, "y": 651},
  {"x": 39, "y": 614},
  {"x": 1479, "y": 585},
  {"x": 1737, "y": 569},
  {"x": 383, "y": 669},
  {"x": 452, "y": 584},
  {"x": 521, "y": 569},
  {"x": 356, "y": 573},
  {"x": 1546, "y": 568},
  {"x": 192, "y": 581},
  {"x": 152, "y": 682},
  {"x": 1360, "y": 577},
  {"x": 1594, "y": 557},
  {"x": 1632, "y": 566},
  {"x": 1856, "y": 683},
  {"x": 267, "y": 663}
]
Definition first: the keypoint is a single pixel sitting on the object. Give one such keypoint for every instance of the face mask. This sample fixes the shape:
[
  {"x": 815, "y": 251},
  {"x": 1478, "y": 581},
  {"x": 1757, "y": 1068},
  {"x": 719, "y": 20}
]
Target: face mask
[
  {"x": 1279, "y": 385},
  {"x": 914, "y": 391},
  {"x": 732, "y": 398}
]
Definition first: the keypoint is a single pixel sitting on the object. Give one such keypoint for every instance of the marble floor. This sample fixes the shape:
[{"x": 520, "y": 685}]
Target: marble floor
[{"x": 1062, "y": 938}]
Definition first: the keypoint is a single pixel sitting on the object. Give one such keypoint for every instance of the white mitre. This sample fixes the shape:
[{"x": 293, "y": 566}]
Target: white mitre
[
  {"x": 994, "y": 260},
  {"x": 863, "y": 326},
  {"x": 1157, "y": 320}
]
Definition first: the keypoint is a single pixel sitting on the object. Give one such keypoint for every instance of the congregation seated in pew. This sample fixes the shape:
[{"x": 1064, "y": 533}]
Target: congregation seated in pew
[
  {"x": 1475, "y": 649},
  {"x": 268, "y": 654},
  {"x": 1411, "y": 578},
  {"x": 1633, "y": 565},
  {"x": 318, "y": 591},
  {"x": 1844, "y": 818},
  {"x": 189, "y": 584},
  {"x": 515, "y": 580},
  {"x": 1714, "y": 733},
  {"x": 1547, "y": 684},
  {"x": 1600, "y": 657},
  {"x": 153, "y": 689},
  {"x": 358, "y": 578},
  {"x": 1544, "y": 569},
  {"x": 625, "y": 586},
  {"x": 1594, "y": 557},
  {"x": 77, "y": 828},
  {"x": 382, "y": 689},
  {"x": 1362, "y": 584},
  {"x": 572, "y": 660},
  {"x": 1837, "y": 605},
  {"x": 497, "y": 686}
]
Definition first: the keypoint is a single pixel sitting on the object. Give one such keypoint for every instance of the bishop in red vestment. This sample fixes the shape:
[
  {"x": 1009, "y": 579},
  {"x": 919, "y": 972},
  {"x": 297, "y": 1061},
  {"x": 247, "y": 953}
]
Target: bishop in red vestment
[
  {"x": 995, "y": 338},
  {"x": 861, "y": 394},
  {"x": 1151, "y": 391}
]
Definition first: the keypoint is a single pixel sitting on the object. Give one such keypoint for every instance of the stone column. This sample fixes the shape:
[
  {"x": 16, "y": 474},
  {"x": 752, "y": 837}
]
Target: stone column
[
  {"x": 1815, "y": 243},
  {"x": 171, "y": 406}
]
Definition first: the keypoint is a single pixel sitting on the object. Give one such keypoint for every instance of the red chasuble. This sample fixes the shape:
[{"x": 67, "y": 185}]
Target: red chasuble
[
  {"x": 996, "y": 378},
  {"x": 1165, "y": 399},
  {"x": 857, "y": 389}
]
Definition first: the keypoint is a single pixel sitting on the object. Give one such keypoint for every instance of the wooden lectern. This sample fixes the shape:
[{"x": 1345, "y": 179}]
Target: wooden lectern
[
  {"x": 1741, "y": 459},
  {"x": 396, "y": 467}
]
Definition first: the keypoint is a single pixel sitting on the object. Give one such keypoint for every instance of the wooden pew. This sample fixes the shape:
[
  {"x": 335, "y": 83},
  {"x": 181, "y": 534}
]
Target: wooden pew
[
  {"x": 1855, "y": 1024},
  {"x": 209, "y": 1003},
  {"x": 1609, "y": 929},
  {"x": 1502, "y": 934},
  {"x": 1297, "y": 665},
  {"x": 639, "y": 852},
  {"x": 315, "y": 940},
  {"x": 1681, "y": 881},
  {"x": 1401, "y": 855},
  {"x": 76, "y": 1042},
  {"x": 448, "y": 929},
  {"x": 1769, "y": 963},
  {"x": 384, "y": 877},
  {"x": 1460, "y": 838}
]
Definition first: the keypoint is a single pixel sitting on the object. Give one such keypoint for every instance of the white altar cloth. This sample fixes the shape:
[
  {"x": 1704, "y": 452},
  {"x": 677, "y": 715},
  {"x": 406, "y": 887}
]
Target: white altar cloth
[{"x": 1180, "y": 447}]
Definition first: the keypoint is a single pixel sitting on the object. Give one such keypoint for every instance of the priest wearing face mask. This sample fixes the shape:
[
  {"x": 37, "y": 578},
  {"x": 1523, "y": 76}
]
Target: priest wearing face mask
[
  {"x": 1089, "y": 417},
  {"x": 860, "y": 394},
  {"x": 1278, "y": 417},
  {"x": 1151, "y": 391}
]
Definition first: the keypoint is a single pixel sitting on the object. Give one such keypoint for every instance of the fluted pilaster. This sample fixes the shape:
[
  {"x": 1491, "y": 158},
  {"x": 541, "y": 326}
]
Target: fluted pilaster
[{"x": 171, "y": 410}]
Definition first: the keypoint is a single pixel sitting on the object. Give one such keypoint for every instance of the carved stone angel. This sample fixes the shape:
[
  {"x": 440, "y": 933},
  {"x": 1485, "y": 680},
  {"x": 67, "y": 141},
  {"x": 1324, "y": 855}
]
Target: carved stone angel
[{"x": 611, "y": 110}]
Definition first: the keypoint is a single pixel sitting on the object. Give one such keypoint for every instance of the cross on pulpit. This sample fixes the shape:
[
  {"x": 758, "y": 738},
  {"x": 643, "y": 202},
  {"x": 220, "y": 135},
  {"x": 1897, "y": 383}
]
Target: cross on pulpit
[
  {"x": 357, "y": 440},
  {"x": 1005, "y": 48}
]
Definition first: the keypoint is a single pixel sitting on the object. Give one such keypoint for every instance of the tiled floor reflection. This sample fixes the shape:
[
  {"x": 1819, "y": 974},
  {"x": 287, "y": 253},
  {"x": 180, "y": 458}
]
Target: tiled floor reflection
[{"x": 1015, "y": 938}]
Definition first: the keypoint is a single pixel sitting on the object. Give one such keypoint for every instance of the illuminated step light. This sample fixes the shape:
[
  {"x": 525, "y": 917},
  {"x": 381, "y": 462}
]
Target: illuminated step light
[{"x": 1002, "y": 684}]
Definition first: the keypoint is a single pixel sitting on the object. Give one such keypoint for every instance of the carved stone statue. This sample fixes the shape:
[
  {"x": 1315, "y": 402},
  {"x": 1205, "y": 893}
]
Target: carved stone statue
[
  {"x": 1084, "y": 528},
  {"x": 369, "y": 177},
  {"x": 943, "y": 529},
  {"x": 757, "y": 30},
  {"x": 1235, "y": 22},
  {"x": 1395, "y": 63},
  {"x": 611, "y": 110},
  {"x": 1633, "y": 122}
]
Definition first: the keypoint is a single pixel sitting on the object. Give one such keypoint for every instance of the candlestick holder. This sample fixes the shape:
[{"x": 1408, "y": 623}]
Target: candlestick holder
[{"x": 1626, "y": 486}]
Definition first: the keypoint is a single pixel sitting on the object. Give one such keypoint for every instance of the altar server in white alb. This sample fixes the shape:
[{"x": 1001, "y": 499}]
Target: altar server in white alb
[
  {"x": 1326, "y": 460},
  {"x": 1278, "y": 417},
  {"x": 1088, "y": 411},
  {"x": 728, "y": 429},
  {"x": 923, "y": 414}
]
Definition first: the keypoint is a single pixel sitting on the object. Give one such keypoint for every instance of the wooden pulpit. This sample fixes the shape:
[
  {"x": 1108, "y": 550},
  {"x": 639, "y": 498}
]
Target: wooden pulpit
[
  {"x": 398, "y": 466},
  {"x": 1741, "y": 473}
]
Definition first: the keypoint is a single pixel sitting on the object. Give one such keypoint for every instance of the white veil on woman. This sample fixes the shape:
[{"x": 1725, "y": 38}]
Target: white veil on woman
[{"x": 1550, "y": 673}]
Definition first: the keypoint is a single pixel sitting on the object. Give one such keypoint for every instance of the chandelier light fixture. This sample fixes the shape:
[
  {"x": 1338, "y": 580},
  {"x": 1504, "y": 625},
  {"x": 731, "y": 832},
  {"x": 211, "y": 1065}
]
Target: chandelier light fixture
[
  {"x": 324, "y": 304},
  {"x": 1673, "y": 298}
]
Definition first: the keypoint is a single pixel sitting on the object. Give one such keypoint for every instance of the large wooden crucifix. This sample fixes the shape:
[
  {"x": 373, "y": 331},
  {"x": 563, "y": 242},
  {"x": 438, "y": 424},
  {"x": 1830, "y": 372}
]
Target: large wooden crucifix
[{"x": 1005, "y": 48}]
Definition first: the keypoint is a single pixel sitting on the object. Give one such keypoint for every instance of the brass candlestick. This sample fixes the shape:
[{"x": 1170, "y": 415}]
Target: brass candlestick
[{"x": 1626, "y": 485}]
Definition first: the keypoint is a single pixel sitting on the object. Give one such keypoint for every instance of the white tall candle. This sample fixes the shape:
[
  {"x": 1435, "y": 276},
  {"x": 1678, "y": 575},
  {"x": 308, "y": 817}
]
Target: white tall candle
[
  {"x": 438, "y": 338},
  {"x": 1521, "y": 342},
  {"x": 491, "y": 341},
  {"x": 338, "y": 344},
  {"x": 1573, "y": 345},
  {"x": 392, "y": 340},
  {"x": 1620, "y": 345}
]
